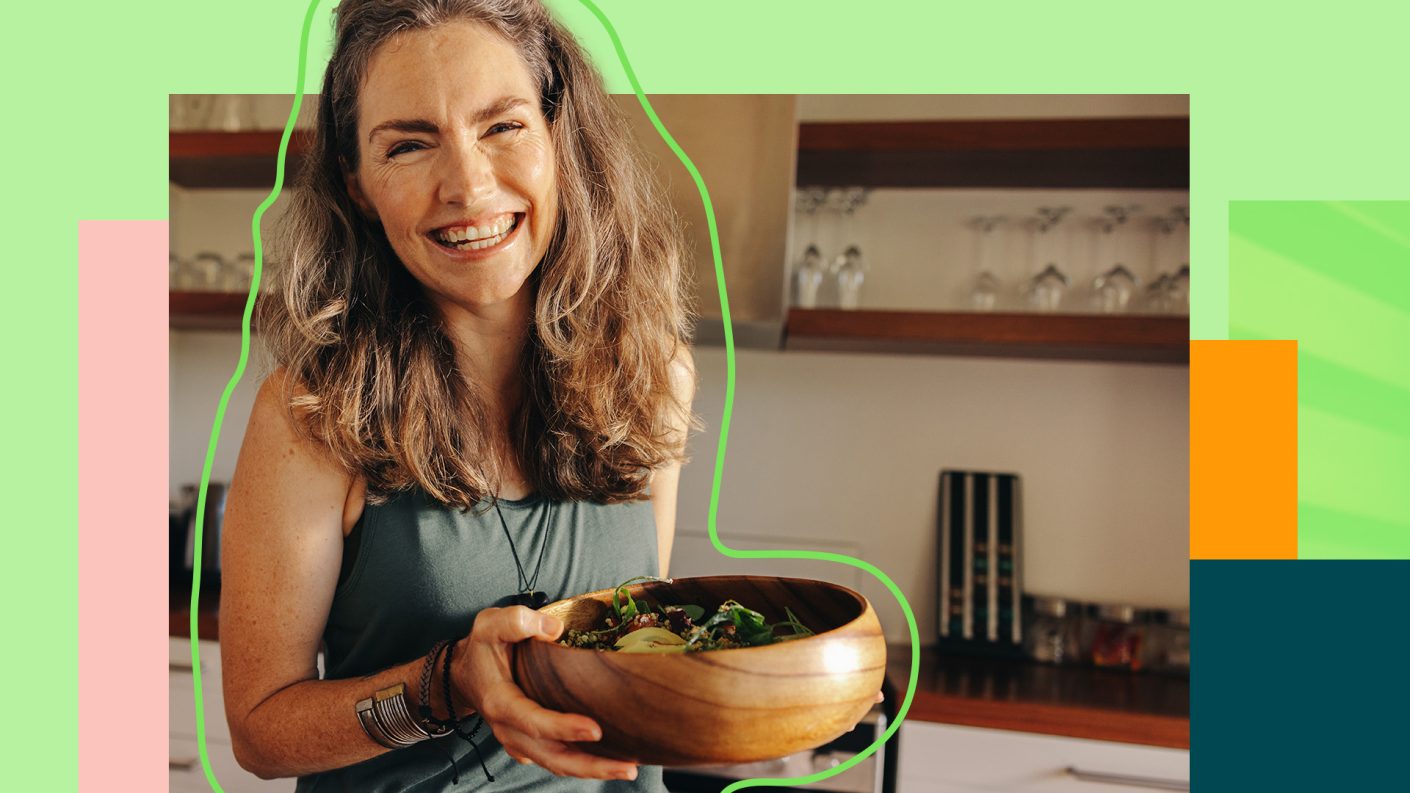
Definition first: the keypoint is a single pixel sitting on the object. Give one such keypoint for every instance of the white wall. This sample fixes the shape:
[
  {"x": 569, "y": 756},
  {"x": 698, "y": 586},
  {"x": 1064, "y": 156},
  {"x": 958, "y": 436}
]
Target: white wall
[
  {"x": 843, "y": 451},
  {"x": 201, "y": 364}
]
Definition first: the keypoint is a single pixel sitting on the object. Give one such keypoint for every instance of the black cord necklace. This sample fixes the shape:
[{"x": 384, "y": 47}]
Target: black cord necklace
[{"x": 528, "y": 596}]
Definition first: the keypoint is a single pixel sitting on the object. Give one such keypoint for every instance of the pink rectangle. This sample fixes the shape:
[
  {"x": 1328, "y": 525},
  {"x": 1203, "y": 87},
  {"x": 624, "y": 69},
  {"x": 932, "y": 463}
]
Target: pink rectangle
[{"x": 122, "y": 477}]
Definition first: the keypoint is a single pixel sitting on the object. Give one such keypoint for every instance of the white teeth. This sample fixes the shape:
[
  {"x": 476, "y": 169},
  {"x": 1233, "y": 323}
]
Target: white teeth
[{"x": 477, "y": 237}]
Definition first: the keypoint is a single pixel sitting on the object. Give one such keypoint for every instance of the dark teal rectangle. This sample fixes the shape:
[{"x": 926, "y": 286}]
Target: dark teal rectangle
[{"x": 1300, "y": 675}]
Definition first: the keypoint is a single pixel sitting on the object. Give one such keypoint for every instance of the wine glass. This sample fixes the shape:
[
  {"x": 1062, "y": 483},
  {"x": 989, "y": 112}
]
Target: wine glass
[
  {"x": 1169, "y": 293},
  {"x": 206, "y": 270},
  {"x": 242, "y": 273},
  {"x": 1180, "y": 289},
  {"x": 1046, "y": 289},
  {"x": 849, "y": 269},
  {"x": 809, "y": 273},
  {"x": 850, "y": 275},
  {"x": 984, "y": 285},
  {"x": 1114, "y": 286}
]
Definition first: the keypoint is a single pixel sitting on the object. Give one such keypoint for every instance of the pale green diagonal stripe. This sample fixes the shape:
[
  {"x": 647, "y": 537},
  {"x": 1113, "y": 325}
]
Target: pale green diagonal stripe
[
  {"x": 1328, "y": 318},
  {"x": 1328, "y": 537},
  {"x": 1350, "y": 467},
  {"x": 1361, "y": 213}
]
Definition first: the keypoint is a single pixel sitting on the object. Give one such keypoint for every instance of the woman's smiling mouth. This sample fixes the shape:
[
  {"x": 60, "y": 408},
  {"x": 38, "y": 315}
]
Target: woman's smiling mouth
[{"x": 475, "y": 238}]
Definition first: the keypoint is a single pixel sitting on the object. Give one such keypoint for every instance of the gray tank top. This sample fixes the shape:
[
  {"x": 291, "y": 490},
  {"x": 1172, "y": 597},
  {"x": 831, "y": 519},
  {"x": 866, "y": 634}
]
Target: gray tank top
[{"x": 421, "y": 574}]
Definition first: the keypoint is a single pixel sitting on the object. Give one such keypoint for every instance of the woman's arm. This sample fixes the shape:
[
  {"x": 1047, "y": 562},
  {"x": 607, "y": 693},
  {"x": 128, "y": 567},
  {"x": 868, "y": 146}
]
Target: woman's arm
[
  {"x": 665, "y": 481},
  {"x": 281, "y": 551}
]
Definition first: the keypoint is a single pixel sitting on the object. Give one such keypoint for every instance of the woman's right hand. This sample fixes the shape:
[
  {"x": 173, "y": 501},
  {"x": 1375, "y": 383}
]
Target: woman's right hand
[{"x": 482, "y": 674}]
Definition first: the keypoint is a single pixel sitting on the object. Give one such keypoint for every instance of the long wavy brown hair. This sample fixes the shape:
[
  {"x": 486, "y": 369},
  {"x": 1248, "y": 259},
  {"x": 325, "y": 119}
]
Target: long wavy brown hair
[{"x": 373, "y": 375}]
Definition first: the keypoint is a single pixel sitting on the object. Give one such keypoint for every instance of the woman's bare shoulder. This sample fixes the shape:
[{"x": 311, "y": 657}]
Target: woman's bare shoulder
[
  {"x": 277, "y": 444},
  {"x": 276, "y": 450}
]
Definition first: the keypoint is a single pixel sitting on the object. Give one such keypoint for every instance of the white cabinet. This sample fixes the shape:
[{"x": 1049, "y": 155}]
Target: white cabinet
[
  {"x": 943, "y": 758},
  {"x": 184, "y": 762}
]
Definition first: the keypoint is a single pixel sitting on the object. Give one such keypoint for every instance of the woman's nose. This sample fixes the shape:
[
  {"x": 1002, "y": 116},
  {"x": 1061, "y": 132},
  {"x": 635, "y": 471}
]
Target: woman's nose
[{"x": 467, "y": 175}]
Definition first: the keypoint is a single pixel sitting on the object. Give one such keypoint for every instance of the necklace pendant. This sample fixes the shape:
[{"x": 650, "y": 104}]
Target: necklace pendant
[{"x": 531, "y": 598}]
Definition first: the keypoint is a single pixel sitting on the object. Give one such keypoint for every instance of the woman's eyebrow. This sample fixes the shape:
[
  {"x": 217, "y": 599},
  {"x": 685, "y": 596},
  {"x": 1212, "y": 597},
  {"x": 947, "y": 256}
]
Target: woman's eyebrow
[
  {"x": 404, "y": 125},
  {"x": 502, "y": 105},
  {"x": 499, "y": 106}
]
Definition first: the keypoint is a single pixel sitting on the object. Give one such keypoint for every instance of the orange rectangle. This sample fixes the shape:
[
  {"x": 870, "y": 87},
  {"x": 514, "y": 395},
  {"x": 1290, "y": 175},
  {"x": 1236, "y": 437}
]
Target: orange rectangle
[{"x": 1243, "y": 450}]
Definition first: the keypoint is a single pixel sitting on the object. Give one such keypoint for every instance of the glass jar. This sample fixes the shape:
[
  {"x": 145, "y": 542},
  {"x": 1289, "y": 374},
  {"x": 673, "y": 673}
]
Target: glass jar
[
  {"x": 1117, "y": 637},
  {"x": 1169, "y": 643},
  {"x": 1051, "y": 636}
]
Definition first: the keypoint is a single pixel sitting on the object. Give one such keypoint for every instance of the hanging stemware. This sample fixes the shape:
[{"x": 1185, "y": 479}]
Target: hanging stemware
[
  {"x": 809, "y": 272},
  {"x": 984, "y": 285},
  {"x": 1180, "y": 281},
  {"x": 849, "y": 269},
  {"x": 1048, "y": 285},
  {"x": 1114, "y": 286},
  {"x": 1159, "y": 294}
]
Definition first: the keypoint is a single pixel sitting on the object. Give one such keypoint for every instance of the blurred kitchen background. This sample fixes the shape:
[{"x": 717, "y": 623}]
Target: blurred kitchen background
[{"x": 918, "y": 284}]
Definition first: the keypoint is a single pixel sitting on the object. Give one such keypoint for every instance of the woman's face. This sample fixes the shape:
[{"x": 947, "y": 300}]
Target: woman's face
[{"x": 456, "y": 163}]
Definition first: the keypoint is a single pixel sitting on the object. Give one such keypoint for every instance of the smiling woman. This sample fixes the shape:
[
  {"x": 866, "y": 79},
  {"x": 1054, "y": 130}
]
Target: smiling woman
[
  {"x": 457, "y": 165},
  {"x": 482, "y": 400}
]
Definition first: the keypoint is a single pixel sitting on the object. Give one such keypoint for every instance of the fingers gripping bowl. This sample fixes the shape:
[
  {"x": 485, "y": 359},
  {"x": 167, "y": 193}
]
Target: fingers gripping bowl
[{"x": 726, "y": 706}]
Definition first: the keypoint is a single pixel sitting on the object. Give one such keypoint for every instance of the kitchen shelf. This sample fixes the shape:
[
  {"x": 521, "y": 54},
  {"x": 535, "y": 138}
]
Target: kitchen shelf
[
  {"x": 1122, "y": 153},
  {"x": 206, "y": 310},
  {"x": 233, "y": 159},
  {"x": 1133, "y": 338},
  {"x": 1078, "y": 702}
]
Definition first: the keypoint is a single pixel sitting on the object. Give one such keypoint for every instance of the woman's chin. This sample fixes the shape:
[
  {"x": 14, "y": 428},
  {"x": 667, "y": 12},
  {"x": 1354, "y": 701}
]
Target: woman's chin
[{"x": 488, "y": 298}]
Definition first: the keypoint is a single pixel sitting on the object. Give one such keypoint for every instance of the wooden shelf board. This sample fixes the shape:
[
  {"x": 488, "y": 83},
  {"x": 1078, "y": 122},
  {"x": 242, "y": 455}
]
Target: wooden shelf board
[
  {"x": 997, "y": 135},
  {"x": 211, "y": 143},
  {"x": 206, "y": 310},
  {"x": 232, "y": 159},
  {"x": 1134, "y": 338},
  {"x": 1126, "y": 169},
  {"x": 1120, "y": 153}
]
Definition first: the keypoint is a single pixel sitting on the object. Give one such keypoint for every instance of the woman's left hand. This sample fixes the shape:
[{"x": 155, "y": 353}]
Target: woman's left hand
[{"x": 482, "y": 674}]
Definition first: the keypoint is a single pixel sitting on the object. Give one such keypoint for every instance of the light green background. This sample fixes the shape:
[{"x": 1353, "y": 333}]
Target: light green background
[
  {"x": 1336, "y": 276},
  {"x": 1288, "y": 102}
]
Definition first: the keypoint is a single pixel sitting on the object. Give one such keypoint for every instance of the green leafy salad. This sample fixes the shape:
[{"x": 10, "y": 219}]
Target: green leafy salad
[{"x": 637, "y": 626}]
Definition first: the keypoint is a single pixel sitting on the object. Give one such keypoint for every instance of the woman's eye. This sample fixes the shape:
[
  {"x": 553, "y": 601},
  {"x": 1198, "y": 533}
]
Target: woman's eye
[
  {"x": 403, "y": 148},
  {"x": 504, "y": 126}
]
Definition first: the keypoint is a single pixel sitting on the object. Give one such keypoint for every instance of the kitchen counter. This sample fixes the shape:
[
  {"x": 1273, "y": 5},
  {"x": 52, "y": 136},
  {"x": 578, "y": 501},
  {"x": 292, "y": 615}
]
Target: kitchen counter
[{"x": 1077, "y": 702}]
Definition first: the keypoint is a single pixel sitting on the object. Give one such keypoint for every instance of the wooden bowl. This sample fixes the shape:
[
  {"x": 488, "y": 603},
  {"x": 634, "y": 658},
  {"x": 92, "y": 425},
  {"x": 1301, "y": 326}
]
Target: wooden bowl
[{"x": 718, "y": 706}]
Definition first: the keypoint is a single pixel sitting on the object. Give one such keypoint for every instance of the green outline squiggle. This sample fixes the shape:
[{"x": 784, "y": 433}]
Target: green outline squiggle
[
  {"x": 724, "y": 438},
  {"x": 719, "y": 456},
  {"x": 230, "y": 389}
]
